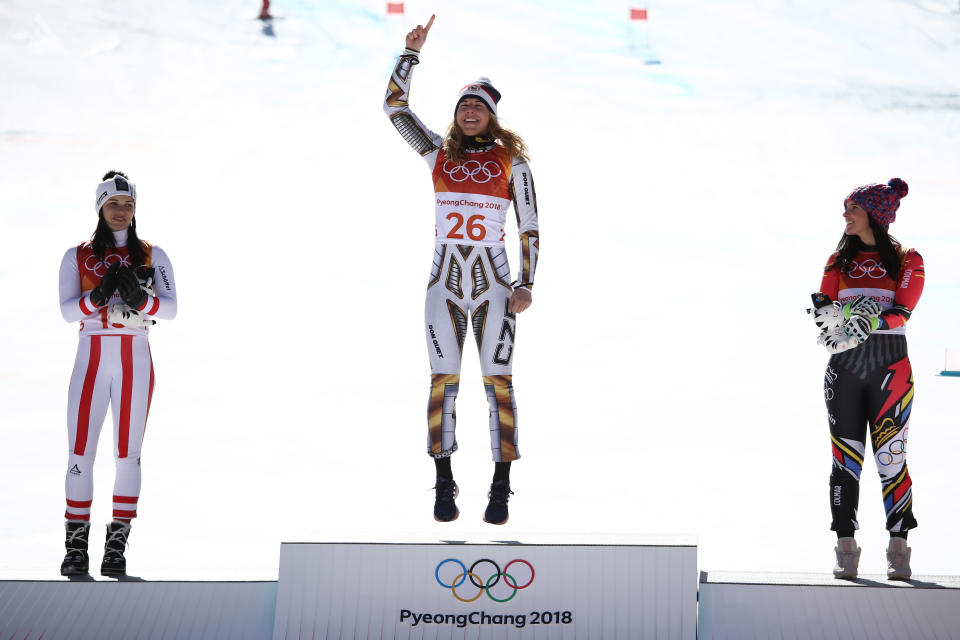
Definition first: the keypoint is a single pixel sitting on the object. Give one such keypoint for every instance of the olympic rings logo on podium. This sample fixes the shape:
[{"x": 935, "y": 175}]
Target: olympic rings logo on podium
[
  {"x": 483, "y": 585},
  {"x": 472, "y": 170}
]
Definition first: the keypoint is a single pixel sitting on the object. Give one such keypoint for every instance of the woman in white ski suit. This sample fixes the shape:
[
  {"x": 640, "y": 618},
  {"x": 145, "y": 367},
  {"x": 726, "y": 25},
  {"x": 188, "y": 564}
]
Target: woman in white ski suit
[
  {"x": 478, "y": 170},
  {"x": 114, "y": 285}
]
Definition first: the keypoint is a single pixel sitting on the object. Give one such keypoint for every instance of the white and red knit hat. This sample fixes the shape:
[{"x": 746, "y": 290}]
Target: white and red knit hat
[{"x": 483, "y": 90}]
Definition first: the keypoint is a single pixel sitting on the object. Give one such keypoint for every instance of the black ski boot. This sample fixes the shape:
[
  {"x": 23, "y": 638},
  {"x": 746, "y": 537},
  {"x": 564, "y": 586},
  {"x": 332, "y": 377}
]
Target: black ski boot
[
  {"x": 114, "y": 564},
  {"x": 77, "y": 561},
  {"x": 497, "y": 511}
]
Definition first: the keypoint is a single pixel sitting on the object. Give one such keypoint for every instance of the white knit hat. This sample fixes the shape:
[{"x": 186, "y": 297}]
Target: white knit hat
[{"x": 115, "y": 186}]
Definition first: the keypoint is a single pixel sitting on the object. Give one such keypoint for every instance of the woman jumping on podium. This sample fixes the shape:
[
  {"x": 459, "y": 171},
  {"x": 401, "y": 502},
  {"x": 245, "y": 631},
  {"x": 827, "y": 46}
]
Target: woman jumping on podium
[{"x": 478, "y": 168}]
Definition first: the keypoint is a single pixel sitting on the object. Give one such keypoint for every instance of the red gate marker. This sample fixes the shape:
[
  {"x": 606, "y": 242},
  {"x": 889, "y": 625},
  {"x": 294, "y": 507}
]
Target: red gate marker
[
  {"x": 638, "y": 14},
  {"x": 394, "y": 7}
]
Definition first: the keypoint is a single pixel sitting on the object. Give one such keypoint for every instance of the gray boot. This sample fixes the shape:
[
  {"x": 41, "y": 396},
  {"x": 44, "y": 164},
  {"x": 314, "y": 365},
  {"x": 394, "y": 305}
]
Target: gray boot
[
  {"x": 898, "y": 559},
  {"x": 848, "y": 558}
]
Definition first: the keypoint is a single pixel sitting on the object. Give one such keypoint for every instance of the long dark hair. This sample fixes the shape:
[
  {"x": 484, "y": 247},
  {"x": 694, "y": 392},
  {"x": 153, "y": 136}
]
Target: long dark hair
[
  {"x": 102, "y": 238},
  {"x": 889, "y": 248}
]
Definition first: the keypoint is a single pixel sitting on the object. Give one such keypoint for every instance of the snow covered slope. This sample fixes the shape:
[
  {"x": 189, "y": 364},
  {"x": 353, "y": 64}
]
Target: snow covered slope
[{"x": 667, "y": 377}]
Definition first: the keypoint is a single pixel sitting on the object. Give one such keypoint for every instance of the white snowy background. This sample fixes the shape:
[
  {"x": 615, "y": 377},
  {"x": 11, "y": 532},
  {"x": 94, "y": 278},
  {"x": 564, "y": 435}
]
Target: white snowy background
[{"x": 667, "y": 376}]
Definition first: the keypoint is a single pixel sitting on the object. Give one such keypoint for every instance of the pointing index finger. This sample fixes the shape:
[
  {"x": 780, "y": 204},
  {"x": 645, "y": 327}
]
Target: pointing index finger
[{"x": 430, "y": 23}]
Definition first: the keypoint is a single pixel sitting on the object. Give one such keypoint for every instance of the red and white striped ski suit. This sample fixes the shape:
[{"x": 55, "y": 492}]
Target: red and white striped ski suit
[{"x": 113, "y": 368}]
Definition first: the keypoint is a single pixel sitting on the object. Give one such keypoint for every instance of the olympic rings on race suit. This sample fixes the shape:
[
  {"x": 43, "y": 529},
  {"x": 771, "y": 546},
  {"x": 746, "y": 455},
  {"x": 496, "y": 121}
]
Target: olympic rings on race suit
[
  {"x": 100, "y": 268},
  {"x": 869, "y": 268},
  {"x": 478, "y": 581},
  {"x": 471, "y": 169},
  {"x": 895, "y": 451}
]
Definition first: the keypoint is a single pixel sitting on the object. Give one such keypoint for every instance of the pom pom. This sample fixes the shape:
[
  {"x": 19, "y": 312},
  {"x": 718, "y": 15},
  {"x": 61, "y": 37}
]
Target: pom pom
[{"x": 899, "y": 186}]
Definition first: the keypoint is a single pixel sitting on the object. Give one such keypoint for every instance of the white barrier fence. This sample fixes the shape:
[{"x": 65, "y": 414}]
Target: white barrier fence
[{"x": 951, "y": 364}]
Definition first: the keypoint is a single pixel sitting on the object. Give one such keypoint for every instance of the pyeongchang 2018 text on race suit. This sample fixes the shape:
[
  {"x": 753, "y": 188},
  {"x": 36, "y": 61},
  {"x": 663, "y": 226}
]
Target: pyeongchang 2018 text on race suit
[
  {"x": 872, "y": 386},
  {"x": 113, "y": 367},
  {"x": 470, "y": 282}
]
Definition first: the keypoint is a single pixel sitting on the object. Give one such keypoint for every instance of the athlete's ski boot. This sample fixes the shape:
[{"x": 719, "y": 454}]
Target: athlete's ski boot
[
  {"x": 114, "y": 563},
  {"x": 77, "y": 560},
  {"x": 848, "y": 558},
  {"x": 898, "y": 559},
  {"x": 444, "y": 507},
  {"x": 497, "y": 512}
]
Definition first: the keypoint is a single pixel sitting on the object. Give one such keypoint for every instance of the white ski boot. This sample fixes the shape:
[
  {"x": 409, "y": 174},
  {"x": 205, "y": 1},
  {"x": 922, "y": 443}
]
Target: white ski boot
[
  {"x": 898, "y": 559},
  {"x": 848, "y": 558}
]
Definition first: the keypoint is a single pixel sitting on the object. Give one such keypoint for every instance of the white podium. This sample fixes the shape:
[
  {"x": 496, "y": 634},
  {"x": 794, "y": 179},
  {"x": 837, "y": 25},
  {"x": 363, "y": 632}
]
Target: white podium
[
  {"x": 629, "y": 587},
  {"x": 777, "y": 605},
  {"x": 128, "y": 610}
]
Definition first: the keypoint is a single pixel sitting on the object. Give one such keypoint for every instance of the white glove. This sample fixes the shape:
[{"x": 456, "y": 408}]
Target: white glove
[
  {"x": 120, "y": 315},
  {"x": 860, "y": 327},
  {"x": 862, "y": 306}
]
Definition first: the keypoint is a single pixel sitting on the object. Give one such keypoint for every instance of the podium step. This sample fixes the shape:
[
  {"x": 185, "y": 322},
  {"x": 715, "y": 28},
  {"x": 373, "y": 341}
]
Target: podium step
[
  {"x": 797, "y": 605},
  {"x": 591, "y": 589},
  {"x": 127, "y": 610}
]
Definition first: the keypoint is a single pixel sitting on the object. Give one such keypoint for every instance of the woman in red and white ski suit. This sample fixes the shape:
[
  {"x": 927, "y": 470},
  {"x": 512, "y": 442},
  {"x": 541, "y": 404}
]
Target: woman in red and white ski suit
[
  {"x": 114, "y": 285},
  {"x": 478, "y": 169}
]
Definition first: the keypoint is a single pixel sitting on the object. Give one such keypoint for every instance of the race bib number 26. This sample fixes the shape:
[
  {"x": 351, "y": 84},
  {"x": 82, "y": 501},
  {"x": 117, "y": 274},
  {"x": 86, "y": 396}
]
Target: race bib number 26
[
  {"x": 467, "y": 222},
  {"x": 474, "y": 227}
]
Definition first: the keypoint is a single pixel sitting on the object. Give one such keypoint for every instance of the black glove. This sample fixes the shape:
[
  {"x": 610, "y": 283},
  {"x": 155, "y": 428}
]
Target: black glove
[
  {"x": 128, "y": 284},
  {"x": 108, "y": 284}
]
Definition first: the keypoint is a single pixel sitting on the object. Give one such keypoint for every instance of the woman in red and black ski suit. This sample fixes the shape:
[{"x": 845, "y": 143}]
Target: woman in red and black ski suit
[{"x": 875, "y": 284}]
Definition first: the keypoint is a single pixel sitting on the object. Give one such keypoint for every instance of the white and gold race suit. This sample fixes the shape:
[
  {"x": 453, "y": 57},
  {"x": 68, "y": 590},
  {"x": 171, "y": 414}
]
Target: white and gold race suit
[{"x": 470, "y": 281}]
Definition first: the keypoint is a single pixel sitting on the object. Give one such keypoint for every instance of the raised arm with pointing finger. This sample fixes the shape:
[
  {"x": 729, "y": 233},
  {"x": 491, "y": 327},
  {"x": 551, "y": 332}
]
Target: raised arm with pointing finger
[
  {"x": 396, "y": 104},
  {"x": 479, "y": 169}
]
